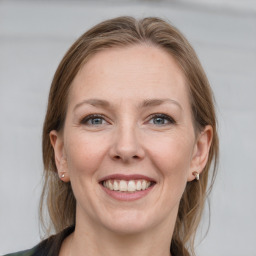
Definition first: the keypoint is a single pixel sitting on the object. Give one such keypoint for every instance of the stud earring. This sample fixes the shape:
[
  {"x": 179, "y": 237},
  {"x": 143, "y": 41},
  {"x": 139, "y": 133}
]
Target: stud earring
[
  {"x": 62, "y": 175},
  {"x": 196, "y": 174}
]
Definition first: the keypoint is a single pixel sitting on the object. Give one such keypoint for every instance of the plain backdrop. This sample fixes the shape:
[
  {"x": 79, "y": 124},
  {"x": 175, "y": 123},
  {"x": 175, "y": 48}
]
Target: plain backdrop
[{"x": 34, "y": 35}]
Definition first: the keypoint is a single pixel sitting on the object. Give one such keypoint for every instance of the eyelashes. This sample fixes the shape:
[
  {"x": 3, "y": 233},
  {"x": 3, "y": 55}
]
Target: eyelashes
[
  {"x": 157, "y": 119},
  {"x": 162, "y": 119},
  {"x": 93, "y": 120}
]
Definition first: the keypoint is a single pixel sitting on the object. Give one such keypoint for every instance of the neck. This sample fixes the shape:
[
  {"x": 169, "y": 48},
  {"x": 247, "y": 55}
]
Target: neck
[
  {"x": 116, "y": 245},
  {"x": 88, "y": 240}
]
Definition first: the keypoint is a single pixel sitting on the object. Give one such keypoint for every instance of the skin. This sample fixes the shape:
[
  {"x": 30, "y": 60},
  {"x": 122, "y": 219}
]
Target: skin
[{"x": 128, "y": 139}]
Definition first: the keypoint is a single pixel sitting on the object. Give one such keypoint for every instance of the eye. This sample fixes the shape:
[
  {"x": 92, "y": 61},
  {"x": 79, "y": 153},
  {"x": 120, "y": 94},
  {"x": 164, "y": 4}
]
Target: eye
[
  {"x": 93, "y": 120},
  {"x": 161, "y": 119}
]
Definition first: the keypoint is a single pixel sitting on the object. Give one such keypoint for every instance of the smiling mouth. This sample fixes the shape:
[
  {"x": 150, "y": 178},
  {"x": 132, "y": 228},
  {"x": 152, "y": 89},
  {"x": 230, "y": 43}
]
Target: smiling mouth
[{"x": 130, "y": 186}]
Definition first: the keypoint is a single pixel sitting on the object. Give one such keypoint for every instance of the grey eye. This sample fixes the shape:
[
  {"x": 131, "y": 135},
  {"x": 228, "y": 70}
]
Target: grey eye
[
  {"x": 96, "y": 121},
  {"x": 93, "y": 120},
  {"x": 161, "y": 119}
]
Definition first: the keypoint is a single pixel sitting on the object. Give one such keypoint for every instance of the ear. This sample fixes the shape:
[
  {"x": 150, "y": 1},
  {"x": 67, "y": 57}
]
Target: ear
[
  {"x": 57, "y": 142},
  {"x": 201, "y": 152}
]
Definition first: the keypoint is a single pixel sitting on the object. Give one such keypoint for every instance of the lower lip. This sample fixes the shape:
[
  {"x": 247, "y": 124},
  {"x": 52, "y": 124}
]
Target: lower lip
[{"x": 127, "y": 196}]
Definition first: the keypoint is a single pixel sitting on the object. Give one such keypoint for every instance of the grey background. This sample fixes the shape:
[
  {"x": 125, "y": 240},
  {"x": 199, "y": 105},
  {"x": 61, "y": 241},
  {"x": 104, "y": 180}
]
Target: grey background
[{"x": 34, "y": 35}]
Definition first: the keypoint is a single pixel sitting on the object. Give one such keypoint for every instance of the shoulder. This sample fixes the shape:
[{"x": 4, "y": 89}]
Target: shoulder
[
  {"x": 29, "y": 252},
  {"x": 48, "y": 247}
]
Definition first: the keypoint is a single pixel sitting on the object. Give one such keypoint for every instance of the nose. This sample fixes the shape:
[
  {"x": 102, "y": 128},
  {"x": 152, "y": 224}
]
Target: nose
[{"x": 126, "y": 145}]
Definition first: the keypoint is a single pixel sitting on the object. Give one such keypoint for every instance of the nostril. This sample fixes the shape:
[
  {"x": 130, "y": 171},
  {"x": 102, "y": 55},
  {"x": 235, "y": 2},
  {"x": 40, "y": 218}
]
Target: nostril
[{"x": 117, "y": 157}]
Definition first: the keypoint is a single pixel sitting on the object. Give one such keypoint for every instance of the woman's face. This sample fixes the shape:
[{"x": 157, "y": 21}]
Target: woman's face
[{"x": 128, "y": 144}]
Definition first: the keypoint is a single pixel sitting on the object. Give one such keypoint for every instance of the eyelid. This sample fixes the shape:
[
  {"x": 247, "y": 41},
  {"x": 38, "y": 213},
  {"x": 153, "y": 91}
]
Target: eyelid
[
  {"x": 169, "y": 118},
  {"x": 162, "y": 115},
  {"x": 91, "y": 116}
]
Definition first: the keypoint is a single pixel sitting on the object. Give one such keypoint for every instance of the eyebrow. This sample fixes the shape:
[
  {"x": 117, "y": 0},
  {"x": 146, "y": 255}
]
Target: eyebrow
[
  {"x": 157, "y": 102},
  {"x": 93, "y": 102},
  {"x": 146, "y": 103}
]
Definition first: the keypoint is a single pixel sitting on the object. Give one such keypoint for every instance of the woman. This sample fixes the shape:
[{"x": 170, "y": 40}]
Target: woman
[{"x": 130, "y": 127}]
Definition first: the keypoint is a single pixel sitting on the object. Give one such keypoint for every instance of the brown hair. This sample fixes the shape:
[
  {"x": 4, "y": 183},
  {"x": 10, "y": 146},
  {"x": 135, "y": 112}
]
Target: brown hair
[{"x": 121, "y": 32}]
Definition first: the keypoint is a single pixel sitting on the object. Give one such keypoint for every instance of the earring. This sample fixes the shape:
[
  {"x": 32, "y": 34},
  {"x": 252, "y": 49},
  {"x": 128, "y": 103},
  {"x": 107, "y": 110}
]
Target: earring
[
  {"x": 62, "y": 175},
  {"x": 196, "y": 174}
]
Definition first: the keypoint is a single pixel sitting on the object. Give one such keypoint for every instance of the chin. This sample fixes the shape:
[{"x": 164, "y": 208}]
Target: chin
[
  {"x": 128, "y": 222},
  {"x": 127, "y": 229}
]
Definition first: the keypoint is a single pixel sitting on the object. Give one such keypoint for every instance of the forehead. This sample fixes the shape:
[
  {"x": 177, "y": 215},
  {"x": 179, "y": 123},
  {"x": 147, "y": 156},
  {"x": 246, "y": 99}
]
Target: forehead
[{"x": 139, "y": 71}]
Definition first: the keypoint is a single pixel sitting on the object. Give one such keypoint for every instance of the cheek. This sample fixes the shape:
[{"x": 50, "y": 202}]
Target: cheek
[
  {"x": 172, "y": 155},
  {"x": 84, "y": 154}
]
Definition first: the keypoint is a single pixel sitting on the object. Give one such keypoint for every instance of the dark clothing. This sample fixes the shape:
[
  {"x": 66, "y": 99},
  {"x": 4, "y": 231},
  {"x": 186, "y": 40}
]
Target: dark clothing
[{"x": 48, "y": 247}]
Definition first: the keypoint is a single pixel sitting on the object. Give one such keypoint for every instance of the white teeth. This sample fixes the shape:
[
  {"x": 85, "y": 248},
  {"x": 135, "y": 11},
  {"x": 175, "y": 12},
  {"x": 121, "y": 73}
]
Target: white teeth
[
  {"x": 138, "y": 185},
  {"x": 143, "y": 185},
  {"x": 110, "y": 186},
  {"x": 126, "y": 186},
  {"x": 131, "y": 186},
  {"x": 115, "y": 186},
  {"x": 123, "y": 185}
]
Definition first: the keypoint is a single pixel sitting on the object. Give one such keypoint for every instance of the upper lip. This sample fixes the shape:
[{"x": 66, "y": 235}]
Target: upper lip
[{"x": 127, "y": 177}]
